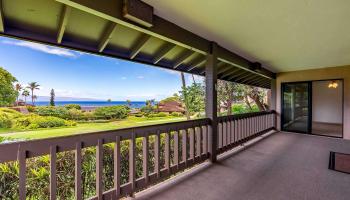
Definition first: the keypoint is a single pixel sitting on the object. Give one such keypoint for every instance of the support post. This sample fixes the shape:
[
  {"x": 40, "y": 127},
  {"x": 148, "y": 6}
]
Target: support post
[
  {"x": 211, "y": 98},
  {"x": 273, "y": 100}
]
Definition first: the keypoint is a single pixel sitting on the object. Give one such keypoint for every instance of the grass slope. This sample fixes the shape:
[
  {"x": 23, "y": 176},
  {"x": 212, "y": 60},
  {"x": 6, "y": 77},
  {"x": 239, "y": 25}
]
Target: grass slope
[{"x": 84, "y": 128}]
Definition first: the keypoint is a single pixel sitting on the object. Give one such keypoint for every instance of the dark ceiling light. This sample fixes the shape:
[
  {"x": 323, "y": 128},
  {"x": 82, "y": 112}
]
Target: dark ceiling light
[{"x": 138, "y": 12}]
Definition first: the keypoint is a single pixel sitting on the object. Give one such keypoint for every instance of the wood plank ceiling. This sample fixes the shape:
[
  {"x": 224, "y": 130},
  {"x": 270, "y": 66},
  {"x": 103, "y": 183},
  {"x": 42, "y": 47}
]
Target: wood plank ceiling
[{"x": 89, "y": 27}]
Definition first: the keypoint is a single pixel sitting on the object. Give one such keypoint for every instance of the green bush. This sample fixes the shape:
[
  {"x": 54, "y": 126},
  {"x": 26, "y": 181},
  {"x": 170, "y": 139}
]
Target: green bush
[
  {"x": 7, "y": 116},
  {"x": 148, "y": 109},
  {"x": 71, "y": 106},
  {"x": 139, "y": 114},
  {"x": 35, "y": 121},
  {"x": 30, "y": 108},
  {"x": 5, "y": 121},
  {"x": 75, "y": 114},
  {"x": 38, "y": 178},
  {"x": 176, "y": 114},
  {"x": 60, "y": 112},
  {"x": 112, "y": 112},
  {"x": 10, "y": 113},
  {"x": 162, "y": 114}
]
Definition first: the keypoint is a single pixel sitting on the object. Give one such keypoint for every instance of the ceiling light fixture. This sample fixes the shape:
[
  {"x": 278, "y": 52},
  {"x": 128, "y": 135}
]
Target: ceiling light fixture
[{"x": 333, "y": 84}]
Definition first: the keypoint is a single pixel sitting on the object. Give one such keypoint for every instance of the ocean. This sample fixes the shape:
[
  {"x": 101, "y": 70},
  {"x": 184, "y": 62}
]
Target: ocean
[{"x": 134, "y": 104}]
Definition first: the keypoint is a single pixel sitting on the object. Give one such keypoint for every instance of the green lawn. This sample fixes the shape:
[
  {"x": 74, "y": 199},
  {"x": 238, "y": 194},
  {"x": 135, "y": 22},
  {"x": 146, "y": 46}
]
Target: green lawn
[{"x": 84, "y": 128}]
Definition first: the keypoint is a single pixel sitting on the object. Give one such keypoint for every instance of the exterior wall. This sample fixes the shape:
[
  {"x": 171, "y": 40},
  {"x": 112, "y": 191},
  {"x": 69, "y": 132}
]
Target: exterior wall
[
  {"x": 318, "y": 74},
  {"x": 327, "y": 103}
]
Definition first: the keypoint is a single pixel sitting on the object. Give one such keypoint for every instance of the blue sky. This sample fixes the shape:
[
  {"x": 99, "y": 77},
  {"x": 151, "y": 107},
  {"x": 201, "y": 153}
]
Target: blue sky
[{"x": 81, "y": 75}]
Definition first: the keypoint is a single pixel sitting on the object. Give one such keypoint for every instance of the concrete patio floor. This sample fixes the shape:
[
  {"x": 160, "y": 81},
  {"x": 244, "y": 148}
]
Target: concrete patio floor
[{"x": 281, "y": 166}]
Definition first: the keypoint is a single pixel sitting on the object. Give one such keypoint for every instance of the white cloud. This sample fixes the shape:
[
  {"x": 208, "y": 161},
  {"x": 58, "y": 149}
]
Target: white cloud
[
  {"x": 44, "y": 48},
  {"x": 169, "y": 71},
  {"x": 123, "y": 78},
  {"x": 140, "y": 77}
]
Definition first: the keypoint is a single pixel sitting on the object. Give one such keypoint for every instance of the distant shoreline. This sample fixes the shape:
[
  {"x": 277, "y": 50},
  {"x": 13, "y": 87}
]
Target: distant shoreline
[{"x": 91, "y": 105}]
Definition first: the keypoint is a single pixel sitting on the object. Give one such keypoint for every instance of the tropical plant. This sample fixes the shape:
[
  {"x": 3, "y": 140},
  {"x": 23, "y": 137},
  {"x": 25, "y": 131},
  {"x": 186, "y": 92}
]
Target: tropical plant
[
  {"x": 52, "y": 97},
  {"x": 18, "y": 87},
  {"x": 26, "y": 94},
  {"x": 112, "y": 112},
  {"x": 71, "y": 106},
  {"x": 8, "y": 93},
  {"x": 195, "y": 97},
  {"x": 33, "y": 86},
  {"x": 184, "y": 95}
]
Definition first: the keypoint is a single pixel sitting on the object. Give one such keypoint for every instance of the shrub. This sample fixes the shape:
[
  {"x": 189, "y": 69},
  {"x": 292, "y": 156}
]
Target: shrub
[
  {"x": 139, "y": 114},
  {"x": 60, "y": 112},
  {"x": 71, "y": 106},
  {"x": 5, "y": 121},
  {"x": 38, "y": 171},
  {"x": 112, "y": 112},
  {"x": 162, "y": 114},
  {"x": 148, "y": 109},
  {"x": 30, "y": 108},
  {"x": 75, "y": 114},
  {"x": 35, "y": 121},
  {"x": 10, "y": 112},
  {"x": 176, "y": 114}
]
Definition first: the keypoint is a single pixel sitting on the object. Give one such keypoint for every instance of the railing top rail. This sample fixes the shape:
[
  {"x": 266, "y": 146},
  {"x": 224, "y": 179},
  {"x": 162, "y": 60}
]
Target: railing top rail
[
  {"x": 244, "y": 115},
  {"x": 40, "y": 147}
]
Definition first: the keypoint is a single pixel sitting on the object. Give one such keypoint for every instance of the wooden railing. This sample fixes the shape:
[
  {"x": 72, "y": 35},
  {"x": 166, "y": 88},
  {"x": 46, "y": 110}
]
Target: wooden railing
[
  {"x": 236, "y": 129},
  {"x": 185, "y": 144}
]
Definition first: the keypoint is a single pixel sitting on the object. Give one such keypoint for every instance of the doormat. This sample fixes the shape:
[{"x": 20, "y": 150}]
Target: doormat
[{"x": 339, "y": 162}]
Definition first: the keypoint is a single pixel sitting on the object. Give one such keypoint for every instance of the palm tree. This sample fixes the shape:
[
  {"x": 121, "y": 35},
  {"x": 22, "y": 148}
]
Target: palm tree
[
  {"x": 34, "y": 98},
  {"x": 25, "y": 93},
  {"x": 33, "y": 86},
  {"x": 18, "y": 89}
]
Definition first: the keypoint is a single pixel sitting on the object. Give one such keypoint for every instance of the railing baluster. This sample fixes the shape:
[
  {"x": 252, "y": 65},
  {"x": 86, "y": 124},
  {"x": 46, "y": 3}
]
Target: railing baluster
[
  {"x": 198, "y": 131},
  {"x": 99, "y": 169},
  {"x": 145, "y": 151},
  {"x": 157, "y": 154},
  {"x": 132, "y": 163},
  {"x": 176, "y": 149},
  {"x": 205, "y": 139},
  {"x": 184, "y": 146},
  {"x": 236, "y": 131},
  {"x": 228, "y": 132},
  {"x": 21, "y": 156},
  {"x": 167, "y": 151},
  {"x": 224, "y": 134},
  {"x": 232, "y": 131},
  {"x": 78, "y": 159},
  {"x": 192, "y": 147},
  {"x": 117, "y": 170},
  {"x": 53, "y": 181},
  {"x": 219, "y": 135}
]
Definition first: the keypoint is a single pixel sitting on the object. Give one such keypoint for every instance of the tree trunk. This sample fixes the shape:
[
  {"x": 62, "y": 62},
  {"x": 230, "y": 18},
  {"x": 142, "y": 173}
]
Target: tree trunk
[
  {"x": 247, "y": 102},
  {"x": 33, "y": 97},
  {"x": 258, "y": 102},
  {"x": 229, "y": 107},
  {"x": 194, "y": 81},
  {"x": 185, "y": 96}
]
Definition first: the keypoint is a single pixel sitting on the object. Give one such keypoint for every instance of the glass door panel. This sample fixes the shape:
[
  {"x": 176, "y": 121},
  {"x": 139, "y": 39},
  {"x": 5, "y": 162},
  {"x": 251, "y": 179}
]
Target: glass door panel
[{"x": 296, "y": 107}]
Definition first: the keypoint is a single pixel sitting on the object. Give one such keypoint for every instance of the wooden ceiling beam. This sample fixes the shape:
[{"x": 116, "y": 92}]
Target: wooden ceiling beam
[
  {"x": 139, "y": 45},
  {"x": 196, "y": 63},
  {"x": 163, "y": 52},
  {"x": 182, "y": 58},
  {"x": 2, "y": 23},
  {"x": 229, "y": 73},
  {"x": 164, "y": 30},
  {"x": 107, "y": 36},
  {"x": 63, "y": 22}
]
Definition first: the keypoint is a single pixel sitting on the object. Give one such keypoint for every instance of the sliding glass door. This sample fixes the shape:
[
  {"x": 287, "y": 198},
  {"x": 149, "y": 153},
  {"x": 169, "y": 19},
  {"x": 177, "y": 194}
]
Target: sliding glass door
[{"x": 296, "y": 107}]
